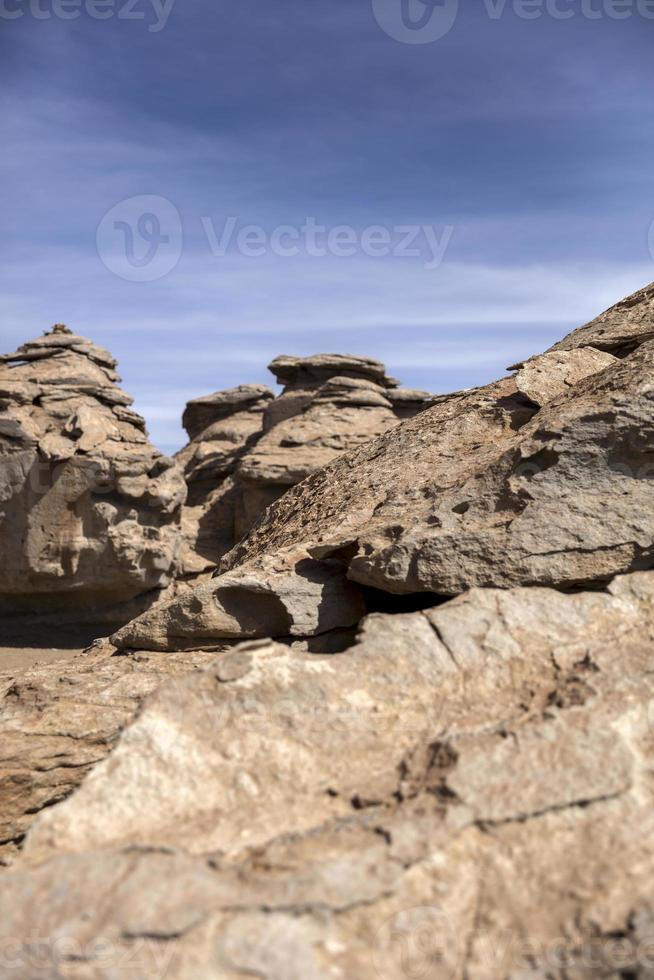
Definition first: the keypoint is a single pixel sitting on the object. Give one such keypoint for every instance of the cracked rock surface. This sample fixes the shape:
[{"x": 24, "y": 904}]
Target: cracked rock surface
[
  {"x": 486, "y": 489},
  {"x": 463, "y": 774},
  {"x": 89, "y": 509}
]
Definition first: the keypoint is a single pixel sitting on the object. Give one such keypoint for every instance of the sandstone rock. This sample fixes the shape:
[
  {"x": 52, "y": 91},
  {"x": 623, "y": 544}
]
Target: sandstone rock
[
  {"x": 331, "y": 404},
  {"x": 544, "y": 377},
  {"x": 467, "y": 788},
  {"x": 407, "y": 402},
  {"x": 483, "y": 489},
  {"x": 203, "y": 412},
  {"x": 222, "y": 427},
  {"x": 247, "y": 447},
  {"x": 57, "y": 720},
  {"x": 619, "y": 330},
  {"x": 298, "y": 597},
  {"x": 318, "y": 368},
  {"x": 89, "y": 509}
]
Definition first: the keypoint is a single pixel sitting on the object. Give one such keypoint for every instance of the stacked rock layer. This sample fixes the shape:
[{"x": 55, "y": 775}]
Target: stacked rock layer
[{"x": 89, "y": 509}]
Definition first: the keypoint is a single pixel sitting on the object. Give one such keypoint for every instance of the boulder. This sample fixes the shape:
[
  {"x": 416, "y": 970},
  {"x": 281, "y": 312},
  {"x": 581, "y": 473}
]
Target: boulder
[
  {"x": 280, "y": 597},
  {"x": 58, "y": 720},
  {"x": 545, "y": 376},
  {"x": 467, "y": 789},
  {"x": 89, "y": 509}
]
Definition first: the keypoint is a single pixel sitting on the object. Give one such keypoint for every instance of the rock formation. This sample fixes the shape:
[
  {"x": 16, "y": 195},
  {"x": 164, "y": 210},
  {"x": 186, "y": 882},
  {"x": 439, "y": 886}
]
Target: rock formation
[
  {"x": 89, "y": 510},
  {"x": 466, "y": 789},
  {"x": 247, "y": 447},
  {"x": 221, "y": 428},
  {"x": 461, "y": 790}
]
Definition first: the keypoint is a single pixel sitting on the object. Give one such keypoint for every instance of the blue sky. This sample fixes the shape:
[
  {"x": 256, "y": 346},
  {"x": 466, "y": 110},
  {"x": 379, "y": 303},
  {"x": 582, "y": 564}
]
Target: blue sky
[{"x": 529, "y": 139}]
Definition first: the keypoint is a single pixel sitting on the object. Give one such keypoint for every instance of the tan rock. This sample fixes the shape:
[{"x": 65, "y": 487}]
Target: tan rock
[
  {"x": 299, "y": 597},
  {"x": 247, "y": 447},
  {"x": 57, "y": 720},
  {"x": 467, "y": 789},
  {"x": 544, "y": 377},
  {"x": 68, "y": 448},
  {"x": 483, "y": 489},
  {"x": 619, "y": 330}
]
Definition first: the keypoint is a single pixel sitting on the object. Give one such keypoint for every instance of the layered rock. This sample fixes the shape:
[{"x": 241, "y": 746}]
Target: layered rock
[
  {"x": 330, "y": 403},
  {"x": 467, "y": 791},
  {"x": 464, "y": 792},
  {"x": 485, "y": 489},
  {"x": 619, "y": 330},
  {"x": 221, "y": 428},
  {"x": 247, "y": 449},
  {"x": 544, "y": 478},
  {"x": 89, "y": 508}
]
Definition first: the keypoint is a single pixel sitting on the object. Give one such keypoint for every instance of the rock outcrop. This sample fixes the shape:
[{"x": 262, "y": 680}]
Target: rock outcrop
[
  {"x": 619, "y": 330},
  {"x": 432, "y": 755},
  {"x": 467, "y": 789},
  {"x": 485, "y": 489},
  {"x": 247, "y": 447},
  {"x": 89, "y": 510},
  {"x": 221, "y": 428}
]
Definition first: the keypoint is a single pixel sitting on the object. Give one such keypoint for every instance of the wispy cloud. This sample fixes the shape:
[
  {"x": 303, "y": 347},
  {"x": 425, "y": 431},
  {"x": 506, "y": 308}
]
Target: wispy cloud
[{"x": 533, "y": 140}]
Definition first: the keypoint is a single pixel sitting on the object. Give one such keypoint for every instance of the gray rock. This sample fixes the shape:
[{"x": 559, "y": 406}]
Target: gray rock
[{"x": 298, "y": 597}]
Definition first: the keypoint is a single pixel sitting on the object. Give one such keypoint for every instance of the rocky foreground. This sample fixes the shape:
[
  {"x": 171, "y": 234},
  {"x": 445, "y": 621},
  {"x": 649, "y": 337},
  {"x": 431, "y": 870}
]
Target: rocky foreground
[{"x": 379, "y": 698}]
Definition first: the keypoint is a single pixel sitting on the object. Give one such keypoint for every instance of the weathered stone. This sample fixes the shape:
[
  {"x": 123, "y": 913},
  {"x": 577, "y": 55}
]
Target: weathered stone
[
  {"x": 320, "y": 367},
  {"x": 483, "y": 489},
  {"x": 247, "y": 448},
  {"x": 200, "y": 413},
  {"x": 69, "y": 536},
  {"x": 57, "y": 720},
  {"x": 468, "y": 784},
  {"x": 544, "y": 377},
  {"x": 407, "y": 402},
  {"x": 281, "y": 598},
  {"x": 620, "y": 329},
  {"x": 222, "y": 427}
]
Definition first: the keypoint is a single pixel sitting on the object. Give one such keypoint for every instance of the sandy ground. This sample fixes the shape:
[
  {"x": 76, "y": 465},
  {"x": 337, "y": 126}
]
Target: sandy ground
[{"x": 22, "y": 645}]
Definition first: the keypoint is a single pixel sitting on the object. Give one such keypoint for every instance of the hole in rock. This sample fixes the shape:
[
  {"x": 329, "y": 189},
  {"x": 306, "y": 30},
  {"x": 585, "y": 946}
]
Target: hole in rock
[
  {"x": 538, "y": 463},
  {"x": 377, "y": 600}
]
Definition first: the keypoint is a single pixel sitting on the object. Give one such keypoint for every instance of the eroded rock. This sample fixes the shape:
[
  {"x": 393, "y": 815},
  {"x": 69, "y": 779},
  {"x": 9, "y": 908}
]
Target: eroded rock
[
  {"x": 483, "y": 489},
  {"x": 462, "y": 785},
  {"x": 89, "y": 509},
  {"x": 279, "y": 597},
  {"x": 619, "y": 330},
  {"x": 58, "y": 720},
  {"x": 247, "y": 448}
]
